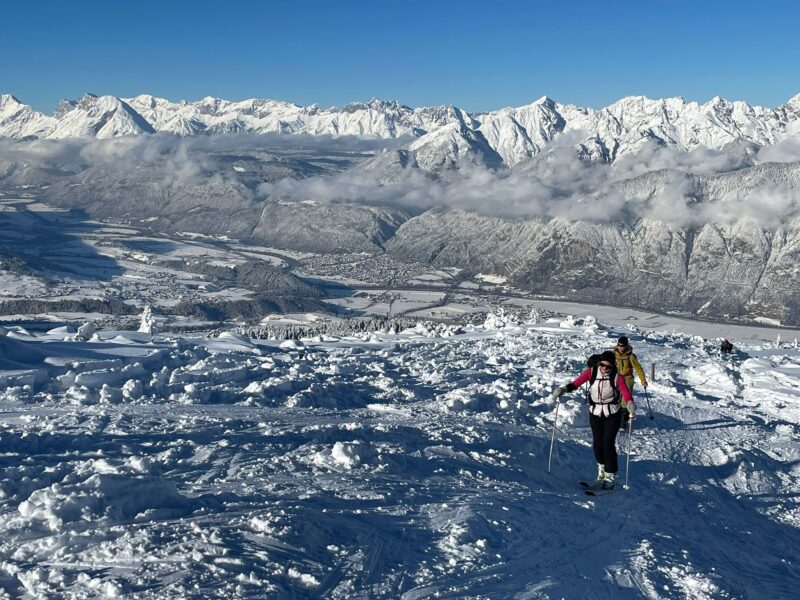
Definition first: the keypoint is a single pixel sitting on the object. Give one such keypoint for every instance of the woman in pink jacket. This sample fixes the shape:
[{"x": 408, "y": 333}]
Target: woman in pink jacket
[{"x": 605, "y": 388}]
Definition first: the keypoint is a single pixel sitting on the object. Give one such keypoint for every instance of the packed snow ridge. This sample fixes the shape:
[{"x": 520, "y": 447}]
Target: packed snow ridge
[
  {"x": 407, "y": 464},
  {"x": 514, "y": 134}
]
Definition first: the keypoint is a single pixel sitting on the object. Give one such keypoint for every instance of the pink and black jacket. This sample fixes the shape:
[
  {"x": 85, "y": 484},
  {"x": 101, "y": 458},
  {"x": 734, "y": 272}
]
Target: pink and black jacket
[{"x": 605, "y": 390}]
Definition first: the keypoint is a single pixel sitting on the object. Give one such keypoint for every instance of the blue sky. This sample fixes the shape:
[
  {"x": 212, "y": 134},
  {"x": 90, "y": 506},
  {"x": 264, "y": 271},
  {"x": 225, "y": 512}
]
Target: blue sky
[{"x": 476, "y": 55}]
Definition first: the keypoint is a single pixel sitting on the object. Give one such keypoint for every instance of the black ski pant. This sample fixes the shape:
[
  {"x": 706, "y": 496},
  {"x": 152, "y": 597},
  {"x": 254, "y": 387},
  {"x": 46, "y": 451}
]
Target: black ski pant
[{"x": 604, "y": 439}]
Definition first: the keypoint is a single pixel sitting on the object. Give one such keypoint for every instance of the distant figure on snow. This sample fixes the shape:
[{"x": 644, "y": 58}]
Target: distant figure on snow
[
  {"x": 606, "y": 389},
  {"x": 627, "y": 362},
  {"x": 726, "y": 347}
]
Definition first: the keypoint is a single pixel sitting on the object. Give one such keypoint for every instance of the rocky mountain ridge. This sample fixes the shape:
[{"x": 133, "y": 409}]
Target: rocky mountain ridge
[{"x": 732, "y": 269}]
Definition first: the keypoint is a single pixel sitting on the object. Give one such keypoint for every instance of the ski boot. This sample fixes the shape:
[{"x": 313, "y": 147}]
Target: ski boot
[{"x": 601, "y": 475}]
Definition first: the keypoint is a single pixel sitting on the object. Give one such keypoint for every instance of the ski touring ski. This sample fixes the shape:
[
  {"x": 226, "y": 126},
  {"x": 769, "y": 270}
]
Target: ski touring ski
[
  {"x": 599, "y": 492},
  {"x": 594, "y": 488},
  {"x": 591, "y": 485}
]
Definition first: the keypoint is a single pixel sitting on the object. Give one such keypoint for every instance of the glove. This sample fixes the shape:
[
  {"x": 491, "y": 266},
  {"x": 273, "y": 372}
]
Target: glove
[
  {"x": 644, "y": 385},
  {"x": 632, "y": 410},
  {"x": 558, "y": 392}
]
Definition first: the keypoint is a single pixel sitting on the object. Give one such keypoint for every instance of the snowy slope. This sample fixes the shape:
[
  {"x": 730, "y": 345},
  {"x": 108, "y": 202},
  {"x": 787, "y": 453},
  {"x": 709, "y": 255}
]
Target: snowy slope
[
  {"x": 407, "y": 465},
  {"x": 452, "y": 146}
]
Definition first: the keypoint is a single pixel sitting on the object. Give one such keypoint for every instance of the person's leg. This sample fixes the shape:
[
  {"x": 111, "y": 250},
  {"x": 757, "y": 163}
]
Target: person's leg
[
  {"x": 625, "y": 414},
  {"x": 598, "y": 429},
  {"x": 609, "y": 441}
]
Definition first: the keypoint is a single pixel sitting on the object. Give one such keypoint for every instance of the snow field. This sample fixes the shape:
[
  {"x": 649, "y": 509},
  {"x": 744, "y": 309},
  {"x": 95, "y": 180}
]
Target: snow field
[{"x": 407, "y": 465}]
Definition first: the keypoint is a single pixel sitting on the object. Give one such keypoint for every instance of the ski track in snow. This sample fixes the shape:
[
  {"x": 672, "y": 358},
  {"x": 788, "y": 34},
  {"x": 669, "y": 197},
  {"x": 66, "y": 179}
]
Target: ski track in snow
[{"x": 390, "y": 466}]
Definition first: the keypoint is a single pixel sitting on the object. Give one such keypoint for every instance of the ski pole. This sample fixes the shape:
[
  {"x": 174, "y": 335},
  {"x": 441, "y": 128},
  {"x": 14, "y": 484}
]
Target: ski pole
[
  {"x": 553, "y": 437},
  {"x": 649, "y": 410},
  {"x": 628, "y": 452}
]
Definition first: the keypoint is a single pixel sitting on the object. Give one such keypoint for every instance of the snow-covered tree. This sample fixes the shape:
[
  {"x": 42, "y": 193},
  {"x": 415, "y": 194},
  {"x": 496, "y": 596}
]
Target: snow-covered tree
[
  {"x": 148, "y": 322},
  {"x": 86, "y": 331}
]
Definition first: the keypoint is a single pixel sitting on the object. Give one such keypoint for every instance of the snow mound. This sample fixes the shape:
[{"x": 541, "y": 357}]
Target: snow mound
[
  {"x": 345, "y": 456},
  {"x": 291, "y": 345},
  {"x": 113, "y": 498}
]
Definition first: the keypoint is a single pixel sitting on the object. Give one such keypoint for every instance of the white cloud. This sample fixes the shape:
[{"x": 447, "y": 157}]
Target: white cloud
[
  {"x": 782, "y": 152},
  {"x": 569, "y": 188},
  {"x": 556, "y": 185}
]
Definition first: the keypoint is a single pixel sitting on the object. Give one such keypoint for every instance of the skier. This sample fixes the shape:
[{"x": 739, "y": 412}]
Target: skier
[
  {"x": 726, "y": 347},
  {"x": 606, "y": 387},
  {"x": 627, "y": 362}
]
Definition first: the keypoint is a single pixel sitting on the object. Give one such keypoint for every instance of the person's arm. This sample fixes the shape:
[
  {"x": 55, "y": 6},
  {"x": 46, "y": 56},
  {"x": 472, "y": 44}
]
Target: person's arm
[
  {"x": 639, "y": 370},
  {"x": 573, "y": 385},
  {"x": 579, "y": 380}
]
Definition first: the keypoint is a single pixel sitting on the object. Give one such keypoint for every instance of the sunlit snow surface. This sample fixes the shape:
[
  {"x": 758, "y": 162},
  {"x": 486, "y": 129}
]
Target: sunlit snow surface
[{"x": 390, "y": 466}]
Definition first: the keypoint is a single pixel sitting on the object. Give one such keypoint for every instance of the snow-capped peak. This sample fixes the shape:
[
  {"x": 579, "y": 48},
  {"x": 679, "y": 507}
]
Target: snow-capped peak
[
  {"x": 98, "y": 116},
  {"x": 8, "y": 100},
  {"x": 18, "y": 120},
  {"x": 450, "y": 145}
]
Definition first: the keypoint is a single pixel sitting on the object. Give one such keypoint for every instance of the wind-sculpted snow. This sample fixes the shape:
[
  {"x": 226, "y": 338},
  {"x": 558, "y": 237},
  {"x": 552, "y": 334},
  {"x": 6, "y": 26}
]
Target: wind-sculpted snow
[{"x": 390, "y": 465}]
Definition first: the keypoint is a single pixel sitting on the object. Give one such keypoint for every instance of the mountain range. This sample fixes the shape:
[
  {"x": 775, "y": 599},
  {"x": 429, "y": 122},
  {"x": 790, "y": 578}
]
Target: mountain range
[
  {"x": 509, "y": 136},
  {"x": 720, "y": 242}
]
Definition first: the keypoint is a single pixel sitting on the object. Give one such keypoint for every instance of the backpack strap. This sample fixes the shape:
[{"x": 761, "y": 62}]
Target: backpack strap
[{"x": 612, "y": 379}]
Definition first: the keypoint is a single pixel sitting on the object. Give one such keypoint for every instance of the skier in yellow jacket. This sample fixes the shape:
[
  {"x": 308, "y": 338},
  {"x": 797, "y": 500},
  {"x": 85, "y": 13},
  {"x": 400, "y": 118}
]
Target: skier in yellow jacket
[{"x": 626, "y": 364}]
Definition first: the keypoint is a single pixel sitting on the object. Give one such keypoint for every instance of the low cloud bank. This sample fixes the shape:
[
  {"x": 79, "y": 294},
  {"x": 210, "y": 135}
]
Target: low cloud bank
[
  {"x": 657, "y": 184},
  {"x": 517, "y": 195},
  {"x": 127, "y": 152},
  {"x": 683, "y": 189}
]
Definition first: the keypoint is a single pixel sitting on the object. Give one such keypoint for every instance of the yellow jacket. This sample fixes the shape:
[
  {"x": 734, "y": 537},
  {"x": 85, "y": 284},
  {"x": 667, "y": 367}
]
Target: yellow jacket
[{"x": 627, "y": 363}]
